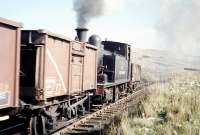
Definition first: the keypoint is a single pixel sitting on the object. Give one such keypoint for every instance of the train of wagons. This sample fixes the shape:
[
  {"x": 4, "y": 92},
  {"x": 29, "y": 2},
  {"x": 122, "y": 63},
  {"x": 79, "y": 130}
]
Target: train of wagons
[{"x": 47, "y": 80}]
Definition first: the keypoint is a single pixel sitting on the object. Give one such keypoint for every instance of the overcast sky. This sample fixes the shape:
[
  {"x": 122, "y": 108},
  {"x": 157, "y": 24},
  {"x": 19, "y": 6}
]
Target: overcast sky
[{"x": 142, "y": 23}]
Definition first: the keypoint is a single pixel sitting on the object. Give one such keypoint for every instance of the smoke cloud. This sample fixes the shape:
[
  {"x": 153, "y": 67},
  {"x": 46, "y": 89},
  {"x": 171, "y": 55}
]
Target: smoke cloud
[
  {"x": 88, "y": 9},
  {"x": 179, "y": 25}
]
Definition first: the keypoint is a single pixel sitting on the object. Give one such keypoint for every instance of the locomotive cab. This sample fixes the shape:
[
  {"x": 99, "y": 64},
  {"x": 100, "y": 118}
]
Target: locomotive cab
[
  {"x": 116, "y": 60},
  {"x": 113, "y": 70}
]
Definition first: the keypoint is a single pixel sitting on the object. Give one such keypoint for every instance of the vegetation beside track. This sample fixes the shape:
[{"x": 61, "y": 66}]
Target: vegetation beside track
[{"x": 171, "y": 109}]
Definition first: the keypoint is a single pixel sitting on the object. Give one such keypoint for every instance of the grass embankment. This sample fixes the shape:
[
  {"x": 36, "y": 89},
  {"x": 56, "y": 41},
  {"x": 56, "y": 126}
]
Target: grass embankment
[{"x": 170, "y": 109}]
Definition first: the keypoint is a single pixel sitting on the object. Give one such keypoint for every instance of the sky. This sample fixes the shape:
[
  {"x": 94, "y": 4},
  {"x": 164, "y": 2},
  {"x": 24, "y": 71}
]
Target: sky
[
  {"x": 131, "y": 21},
  {"x": 156, "y": 24}
]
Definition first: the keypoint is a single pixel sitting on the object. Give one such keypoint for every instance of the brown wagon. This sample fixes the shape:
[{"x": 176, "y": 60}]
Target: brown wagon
[
  {"x": 54, "y": 66},
  {"x": 9, "y": 64}
]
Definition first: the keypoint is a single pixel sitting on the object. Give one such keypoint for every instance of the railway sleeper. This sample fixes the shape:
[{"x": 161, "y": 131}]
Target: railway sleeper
[
  {"x": 102, "y": 118},
  {"x": 88, "y": 132},
  {"x": 101, "y": 122},
  {"x": 98, "y": 118},
  {"x": 104, "y": 115},
  {"x": 110, "y": 111},
  {"x": 83, "y": 129},
  {"x": 97, "y": 122},
  {"x": 94, "y": 122},
  {"x": 88, "y": 125},
  {"x": 71, "y": 132}
]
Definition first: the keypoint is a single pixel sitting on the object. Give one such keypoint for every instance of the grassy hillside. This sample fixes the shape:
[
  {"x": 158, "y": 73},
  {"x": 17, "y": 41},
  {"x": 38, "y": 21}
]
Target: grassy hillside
[{"x": 158, "y": 64}]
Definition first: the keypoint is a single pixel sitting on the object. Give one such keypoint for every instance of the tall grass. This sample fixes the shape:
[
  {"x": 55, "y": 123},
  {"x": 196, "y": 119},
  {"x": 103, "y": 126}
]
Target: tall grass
[{"x": 170, "y": 109}]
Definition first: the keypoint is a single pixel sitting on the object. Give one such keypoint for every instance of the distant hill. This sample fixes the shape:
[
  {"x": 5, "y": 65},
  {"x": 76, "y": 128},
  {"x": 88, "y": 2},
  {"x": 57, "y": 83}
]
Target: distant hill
[{"x": 159, "y": 64}]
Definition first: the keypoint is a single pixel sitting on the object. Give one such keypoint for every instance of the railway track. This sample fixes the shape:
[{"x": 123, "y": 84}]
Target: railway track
[{"x": 96, "y": 121}]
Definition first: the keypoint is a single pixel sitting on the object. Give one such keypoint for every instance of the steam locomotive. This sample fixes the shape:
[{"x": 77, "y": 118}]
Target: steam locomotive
[{"x": 47, "y": 80}]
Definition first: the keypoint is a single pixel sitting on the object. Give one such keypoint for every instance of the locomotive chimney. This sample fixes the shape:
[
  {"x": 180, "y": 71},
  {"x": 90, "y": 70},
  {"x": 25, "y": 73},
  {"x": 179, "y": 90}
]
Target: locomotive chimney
[{"x": 82, "y": 34}]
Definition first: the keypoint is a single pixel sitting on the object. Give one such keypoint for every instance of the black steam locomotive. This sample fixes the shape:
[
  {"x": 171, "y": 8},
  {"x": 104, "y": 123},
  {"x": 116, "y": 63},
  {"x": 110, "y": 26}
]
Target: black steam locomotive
[{"x": 114, "y": 68}]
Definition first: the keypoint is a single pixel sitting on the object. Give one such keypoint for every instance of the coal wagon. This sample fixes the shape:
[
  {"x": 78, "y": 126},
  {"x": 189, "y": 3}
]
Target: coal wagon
[
  {"x": 58, "y": 75},
  {"x": 9, "y": 72},
  {"x": 9, "y": 65},
  {"x": 55, "y": 66}
]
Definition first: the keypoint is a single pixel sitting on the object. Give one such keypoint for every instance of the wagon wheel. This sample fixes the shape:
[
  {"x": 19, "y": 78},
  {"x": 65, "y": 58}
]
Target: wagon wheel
[{"x": 37, "y": 125}]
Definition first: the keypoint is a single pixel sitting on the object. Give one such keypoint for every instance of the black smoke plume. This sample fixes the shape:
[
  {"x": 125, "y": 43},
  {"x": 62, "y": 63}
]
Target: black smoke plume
[{"x": 86, "y": 10}]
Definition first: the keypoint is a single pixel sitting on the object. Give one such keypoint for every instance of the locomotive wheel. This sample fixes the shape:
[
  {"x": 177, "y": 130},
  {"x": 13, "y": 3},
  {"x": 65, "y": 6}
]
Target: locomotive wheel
[{"x": 37, "y": 125}]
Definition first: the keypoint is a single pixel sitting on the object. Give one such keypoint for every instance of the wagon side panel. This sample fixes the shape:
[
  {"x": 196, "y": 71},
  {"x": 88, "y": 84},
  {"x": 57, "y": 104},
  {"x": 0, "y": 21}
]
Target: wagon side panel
[
  {"x": 76, "y": 68},
  {"x": 56, "y": 67},
  {"x": 90, "y": 68},
  {"x": 9, "y": 65}
]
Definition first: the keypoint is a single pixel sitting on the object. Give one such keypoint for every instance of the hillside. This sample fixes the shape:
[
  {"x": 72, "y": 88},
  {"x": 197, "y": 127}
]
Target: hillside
[{"x": 159, "y": 64}]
